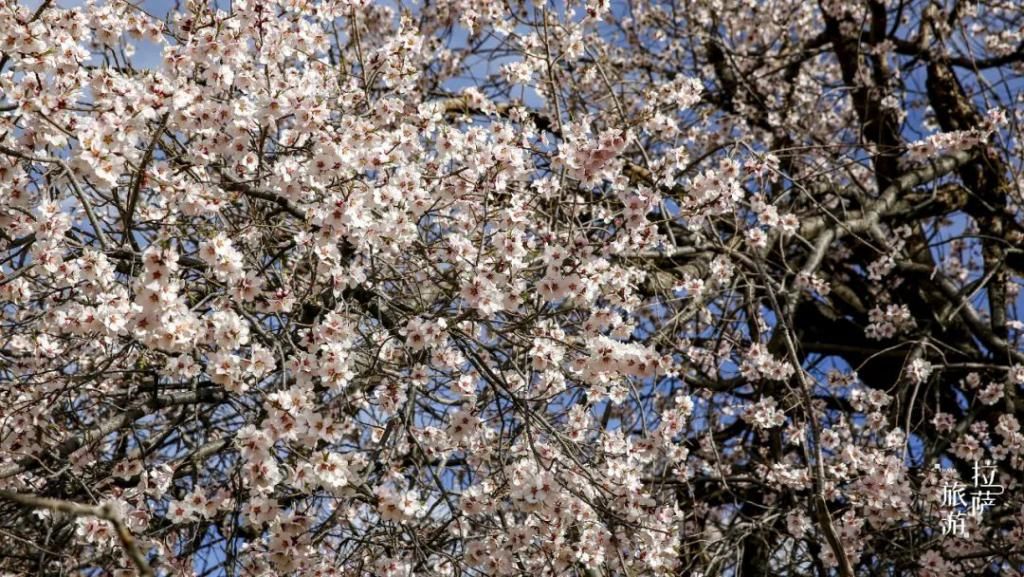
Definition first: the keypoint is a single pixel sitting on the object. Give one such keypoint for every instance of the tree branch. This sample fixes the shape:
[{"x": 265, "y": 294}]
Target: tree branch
[{"x": 105, "y": 511}]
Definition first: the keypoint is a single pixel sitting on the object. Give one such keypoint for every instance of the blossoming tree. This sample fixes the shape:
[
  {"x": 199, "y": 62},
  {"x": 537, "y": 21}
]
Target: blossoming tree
[{"x": 460, "y": 287}]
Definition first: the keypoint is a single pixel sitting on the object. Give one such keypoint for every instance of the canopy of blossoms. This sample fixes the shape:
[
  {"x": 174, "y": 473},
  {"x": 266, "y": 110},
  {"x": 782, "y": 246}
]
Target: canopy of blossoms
[{"x": 468, "y": 287}]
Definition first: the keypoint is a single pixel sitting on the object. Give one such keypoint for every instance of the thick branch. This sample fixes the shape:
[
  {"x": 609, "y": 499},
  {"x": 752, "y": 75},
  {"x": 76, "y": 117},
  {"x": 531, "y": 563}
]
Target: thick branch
[{"x": 105, "y": 511}]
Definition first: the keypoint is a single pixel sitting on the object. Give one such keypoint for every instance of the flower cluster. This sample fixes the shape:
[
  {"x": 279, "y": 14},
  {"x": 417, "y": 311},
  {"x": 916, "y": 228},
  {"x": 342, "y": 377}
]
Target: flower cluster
[{"x": 347, "y": 287}]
